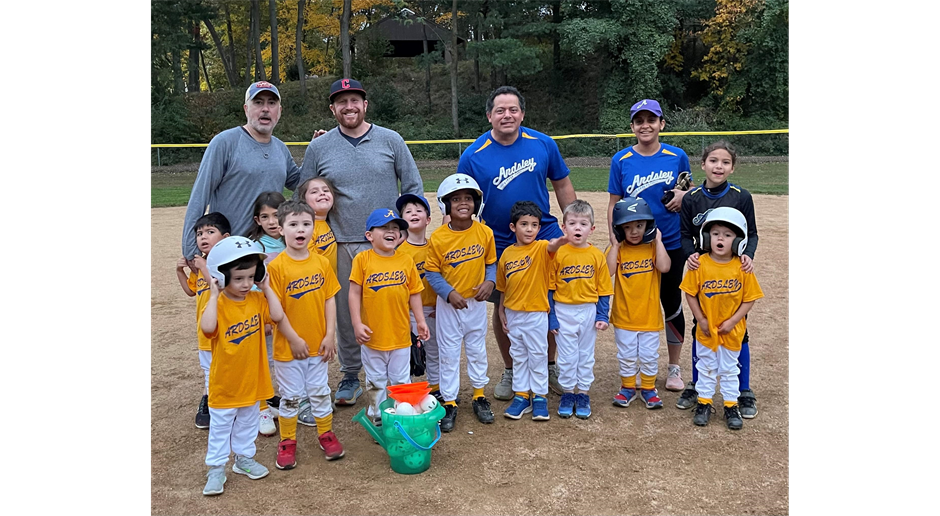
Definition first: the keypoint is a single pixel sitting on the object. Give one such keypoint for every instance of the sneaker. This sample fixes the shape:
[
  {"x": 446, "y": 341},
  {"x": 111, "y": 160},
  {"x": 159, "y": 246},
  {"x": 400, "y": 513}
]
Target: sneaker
[
  {"x": 286, "y": 452},
  {"x": 624, "y": 397},
  {"x": 674, "y": 378},
  {"x": 688, "y": 398},
  {"x": 250, "y": 467},
  {"x": 274, "y": 404},
  {"x": 267, "y": 428},
  {"x": 582, "y": 406},
  {"x": 202, "y": 415},
  {"x": 651, "y": 397},
  {"x": 566, "y": 405},
  {"x": 449, "y": 419},
  {"x": 348, "y": 391},
  {"x": 703, "y": 412},
  {"x": 216, "y": 481},
  {"x": 540, "y": 409},
  {"x": 553, "y": 384},
  {"x": 733, "y": 418},
  {"x": 481, "y": 407},
  {"x": 330, "y": 445},
  {"x": 438, "y": 396},
  {"x": 503, "y": 390},
  {"x": 518, "y": 407},
  {"x": 748, "y": 404},
  {"x": 305, "y": 413}
]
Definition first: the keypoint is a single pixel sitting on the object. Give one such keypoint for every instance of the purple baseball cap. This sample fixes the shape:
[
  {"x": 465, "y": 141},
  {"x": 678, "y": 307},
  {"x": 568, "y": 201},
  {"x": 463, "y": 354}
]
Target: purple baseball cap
[
  {"x": 260, "y": 86},
  {"x": 344, "y": 85},
  {"x": 646, "y": 105}
]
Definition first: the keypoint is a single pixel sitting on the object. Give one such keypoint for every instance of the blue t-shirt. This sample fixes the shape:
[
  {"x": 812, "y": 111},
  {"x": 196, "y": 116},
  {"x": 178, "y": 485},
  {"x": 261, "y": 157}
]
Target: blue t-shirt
[
  {"x": 648, "y": 177},
  {"x": 510, "y": 173}
]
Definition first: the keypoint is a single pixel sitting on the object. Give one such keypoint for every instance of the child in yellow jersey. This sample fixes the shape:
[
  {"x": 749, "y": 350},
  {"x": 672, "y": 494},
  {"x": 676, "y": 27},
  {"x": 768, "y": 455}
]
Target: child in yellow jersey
[
  {"x": 318, "y": 193},
  {"x": 579, "y": 293},
  {"x": 233, "y": 321},
  {"x": 383, "y": 285},
  {"x": 461, "y": 268},
  {"x": 637, "y": 316},
  {"x": 522, "y": 278},
  {"x": 305, "y": 286},
  {"x": 416, "y": 211},
  {"x": 210, "y": 229},
  {"x": 720, "y": 294}
]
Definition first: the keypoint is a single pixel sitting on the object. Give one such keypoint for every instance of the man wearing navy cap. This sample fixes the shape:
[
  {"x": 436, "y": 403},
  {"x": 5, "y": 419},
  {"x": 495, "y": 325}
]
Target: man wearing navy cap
[{"x": 368, "y": 167}]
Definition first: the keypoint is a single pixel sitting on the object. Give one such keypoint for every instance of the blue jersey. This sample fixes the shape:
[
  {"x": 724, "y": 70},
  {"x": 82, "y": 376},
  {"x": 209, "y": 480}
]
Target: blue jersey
[
  {"x": 510, "y": 173},
  {"x": 648, "y": 177}
]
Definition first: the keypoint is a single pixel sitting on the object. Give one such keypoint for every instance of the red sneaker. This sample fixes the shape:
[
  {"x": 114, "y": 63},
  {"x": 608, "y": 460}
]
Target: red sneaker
[
  {"x": 331, "y": 446},
  {"x": 286, "y": 450}
]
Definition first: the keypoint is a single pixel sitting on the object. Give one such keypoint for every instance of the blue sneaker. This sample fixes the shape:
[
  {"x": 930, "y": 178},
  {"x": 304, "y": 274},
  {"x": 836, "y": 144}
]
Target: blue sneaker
[
  {"x": 539, "y": 408},
  {"x": 518, "y": 407},
  {"x": 582, "y": 406},
  {"x": 566, "y": 405},
  {"x": 624, "y": 397},
  {"x": 651, "y": 397},
  {"x": 348, "y": 391}
]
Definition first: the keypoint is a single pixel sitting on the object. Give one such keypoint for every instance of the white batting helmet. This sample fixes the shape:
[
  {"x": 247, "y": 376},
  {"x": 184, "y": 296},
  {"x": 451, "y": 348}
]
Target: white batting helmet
[
  {"x": 455, "y": 182},
  {"x": 727, "y": 217},
  {"x": 227, "y": 251}
]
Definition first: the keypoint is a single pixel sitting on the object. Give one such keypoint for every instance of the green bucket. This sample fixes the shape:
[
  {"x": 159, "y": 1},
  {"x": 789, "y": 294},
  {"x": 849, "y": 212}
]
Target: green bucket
[{"x": 407, "y": 439}]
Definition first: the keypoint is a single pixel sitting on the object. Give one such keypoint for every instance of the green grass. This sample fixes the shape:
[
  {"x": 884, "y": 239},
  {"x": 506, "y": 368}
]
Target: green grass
[{"x": 758, "y": 178}]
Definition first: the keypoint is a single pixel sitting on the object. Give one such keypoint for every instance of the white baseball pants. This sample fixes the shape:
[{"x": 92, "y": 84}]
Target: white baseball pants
[
  {"x": 528, "y": 347},
  {"x": 637, "y": 350},
  {"x": 301, "y": 379},
  {"x": 469, "y": 327},
  {"x": 711, "y": 366},
  {"x": 205, "y": 361},
  {"x": 433, "y": 360},
  {"x": 575, "y": 345},
  {"x": 232, "y": 430},
  {"x": 384, "y": 368}
]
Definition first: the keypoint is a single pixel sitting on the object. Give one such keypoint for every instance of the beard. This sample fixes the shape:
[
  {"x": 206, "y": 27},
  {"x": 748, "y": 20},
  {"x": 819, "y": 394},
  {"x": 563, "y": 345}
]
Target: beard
[{"x": 356, "y": 122}]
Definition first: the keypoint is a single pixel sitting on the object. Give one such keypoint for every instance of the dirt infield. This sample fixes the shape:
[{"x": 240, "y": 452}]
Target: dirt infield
[{"x": 620, "y": 461}]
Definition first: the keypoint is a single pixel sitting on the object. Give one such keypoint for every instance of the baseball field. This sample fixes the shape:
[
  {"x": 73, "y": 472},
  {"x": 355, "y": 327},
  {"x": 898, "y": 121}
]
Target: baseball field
[{"x": 620, "y": 461}]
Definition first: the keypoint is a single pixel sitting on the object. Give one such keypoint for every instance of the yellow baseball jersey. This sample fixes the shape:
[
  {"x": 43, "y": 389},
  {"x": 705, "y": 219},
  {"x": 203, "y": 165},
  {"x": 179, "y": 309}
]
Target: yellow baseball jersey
[
  {"x": 387, "y": 284},
  {"x": 461, "y": 256},
  {"x": 323, "y": 242},
  {"x": 238, "y": 376},
  {"x": 198, "y": 284},
  {"x": 636, "y": 305},
  {"x": 522, "y": 276},
  {"x": 579, "y": 275},
  {"x": 302, "y": 287},
  {"x": 721, "y": 288},
  {"x": 419, "y": 254}
]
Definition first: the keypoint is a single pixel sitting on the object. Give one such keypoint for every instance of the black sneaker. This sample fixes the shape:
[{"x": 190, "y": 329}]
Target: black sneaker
[
  {"x": 481, "y": 407},
  {"x": 202, "y": 414},
  {"x": 703, "y": 412},
  {"x": 438, "y": 396},
  {"x": 733, "y": 418},
  {"x": 688, "y": 398},
  {"x": 748, "y": 403},
  {"x": 274, "y": 404},
  {"x": 450, "y": 417}
]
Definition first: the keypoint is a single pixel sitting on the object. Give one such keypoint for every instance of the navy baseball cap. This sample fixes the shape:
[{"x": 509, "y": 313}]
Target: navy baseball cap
[
  {"x": 383, "y": 216},
  {"x": 646, "y": 105},
  {"x": 260, "y": 86},
  {"x": 412, "y": 198},
  {"x": 344, "y": 85}
]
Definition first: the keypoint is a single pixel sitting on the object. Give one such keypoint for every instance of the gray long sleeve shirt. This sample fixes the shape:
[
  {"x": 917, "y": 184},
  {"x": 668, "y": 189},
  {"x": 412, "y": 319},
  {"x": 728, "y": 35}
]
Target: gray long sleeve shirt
[
  {"x": 234, "y": 170},
  {"x": 365, "y": 177}
]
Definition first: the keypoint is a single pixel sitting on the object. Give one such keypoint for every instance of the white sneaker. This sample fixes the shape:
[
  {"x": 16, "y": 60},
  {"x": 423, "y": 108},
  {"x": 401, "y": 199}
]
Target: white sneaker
[
  {"x": 267, "y": 428},
  {"x": 674, "y": 379}
]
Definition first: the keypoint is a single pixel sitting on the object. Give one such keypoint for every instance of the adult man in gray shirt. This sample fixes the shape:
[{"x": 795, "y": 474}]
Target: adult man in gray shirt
[
  {"x": 365, "y": 163},
  {"x": 238, "y": 165}
]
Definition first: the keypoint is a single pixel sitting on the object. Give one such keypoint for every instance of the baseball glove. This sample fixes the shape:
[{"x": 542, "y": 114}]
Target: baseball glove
[
  {"x": 682, "y": 183},
  {"x": 418, "y": 357}
]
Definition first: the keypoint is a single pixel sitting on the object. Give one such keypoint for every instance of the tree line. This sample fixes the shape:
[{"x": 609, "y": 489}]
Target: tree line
[{"x": 722, "y": 61}]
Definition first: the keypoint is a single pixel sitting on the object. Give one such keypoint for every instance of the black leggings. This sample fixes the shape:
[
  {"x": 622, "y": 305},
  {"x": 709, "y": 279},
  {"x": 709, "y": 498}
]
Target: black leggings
[{"x": 671, "y": 298}]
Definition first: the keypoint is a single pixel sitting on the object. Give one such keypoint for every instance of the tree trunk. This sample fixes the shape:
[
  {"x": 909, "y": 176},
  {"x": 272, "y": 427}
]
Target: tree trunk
[
  {"x": 427, "y": 65},
  {"x": 231, "y": 41},
  {"x": 176, "y": 56},
  {"x": 256, "y": 32},
  {"x": 301, "y": 70},
  {"x": 275, "y": 66},
  {"x": 476, "y": 59},
  {"x": 227, "y": 62},
  {"x": 250, "y": 60},
  {"x": 193, "y": 67},
  {"x": 344, "y": 37},
  {"x": 453, "y": 69},
  {"x": 205, "y": 72}
]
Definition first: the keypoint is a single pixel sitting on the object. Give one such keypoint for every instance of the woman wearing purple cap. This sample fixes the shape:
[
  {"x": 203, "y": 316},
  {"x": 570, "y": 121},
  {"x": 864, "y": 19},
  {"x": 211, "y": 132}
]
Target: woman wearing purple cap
[{"x": 650, "y": 170}]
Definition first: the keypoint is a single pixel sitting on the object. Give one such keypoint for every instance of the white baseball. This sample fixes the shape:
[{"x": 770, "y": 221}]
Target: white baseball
[
  {"x": 405, "y": 409},
  {"x": 428, "y": 403}
]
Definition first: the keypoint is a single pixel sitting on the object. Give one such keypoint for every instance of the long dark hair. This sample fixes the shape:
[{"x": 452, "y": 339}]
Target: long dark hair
[{"x": 269, "y": 199}]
